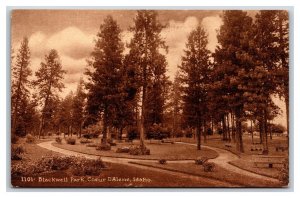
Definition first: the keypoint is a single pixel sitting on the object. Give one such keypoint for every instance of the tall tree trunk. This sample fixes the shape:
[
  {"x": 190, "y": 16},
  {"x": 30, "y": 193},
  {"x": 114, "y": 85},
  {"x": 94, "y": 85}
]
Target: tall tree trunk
[
  {"x": 251, "y": 131},
  {"x": 270, "y": 129},
  {"x": 239, "y": 134},
  {"x": 80, "y": 129},
  {"x": 41, "y": 127},
  {"x": 212, "y": 126},
  {"x": 261, "y": 130},
  {"x": 228, "y": 128},
  {"x": 142, "y": 129},
  {"x": 233, "y": 127},
  {"x": 204, "y": 130},
  {"x": 105, "y": 125},
  {"x": 198, "y": 132},
  {"x": 120, "y": 133},
  {"x": 265, "y": 133},
  {"x": 287, "y": 116},
  {"x": 224, "y": 128}
]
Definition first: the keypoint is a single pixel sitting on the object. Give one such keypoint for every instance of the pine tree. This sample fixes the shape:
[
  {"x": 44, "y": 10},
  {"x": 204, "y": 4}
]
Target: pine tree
[
  {"x": 79, "y": 107},
  {"x": 176, "y": 104},
  {"x": 150, "y": 64},
  {"x": 260, "y": 81},
  {"x": 282, "y": 33},
  {"x": 48, "y": 84},
  {"x": 233, "y": 59},
  {"x": 194, "y": 71},
  {"x": 20, "y": 84},
  {"x": 105, "y": 75}
]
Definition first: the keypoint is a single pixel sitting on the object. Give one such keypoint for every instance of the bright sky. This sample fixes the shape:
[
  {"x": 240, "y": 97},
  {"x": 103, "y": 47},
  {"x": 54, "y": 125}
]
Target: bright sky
[{"x": 72, "y": 33}]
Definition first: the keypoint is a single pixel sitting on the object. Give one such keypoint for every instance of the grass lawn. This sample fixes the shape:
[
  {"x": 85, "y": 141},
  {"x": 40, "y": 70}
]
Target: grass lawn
[
  {"x": 219, "y": 174},
  {"x": 33, "y": 152},
  {"x": 216, "y": 141},
  {"x": 135, "y": 175},
  {"x": 247, "y": 163},
  {"x": 157, "y": 150}
]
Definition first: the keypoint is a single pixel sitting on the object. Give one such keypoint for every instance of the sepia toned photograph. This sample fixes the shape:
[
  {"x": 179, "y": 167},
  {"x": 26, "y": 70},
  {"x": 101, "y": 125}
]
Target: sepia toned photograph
[{"x": 149, "y": 98}]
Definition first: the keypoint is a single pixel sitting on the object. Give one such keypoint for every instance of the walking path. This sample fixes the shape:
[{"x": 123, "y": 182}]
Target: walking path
[
  {"x": 225, "y": 157},
  {"x": 222, "y": 161},
  {"x": 204, "y": 180}
]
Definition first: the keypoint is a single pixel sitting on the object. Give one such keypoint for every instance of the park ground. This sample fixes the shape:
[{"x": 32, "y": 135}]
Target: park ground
[{"x": 232, "y": 169}]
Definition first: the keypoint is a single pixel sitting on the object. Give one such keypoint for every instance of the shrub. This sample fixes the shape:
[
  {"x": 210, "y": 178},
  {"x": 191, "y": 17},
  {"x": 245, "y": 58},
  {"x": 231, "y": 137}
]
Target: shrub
[
  {"x": 85, "y": 141},
  {"x": 58, "y": 140},
  {"x": 17, "y": 152},
  {"x": 122, "y": 150},
  {"x": 55, "y": 163},
  {"x": 92, "y": 131},
  {"x": 178, "y": 133},
  {"x": 209, "y": 166},
  {"x": 71, "y": 141},
  {"x": 162, "y": 161},
  {"x": 49, "y": 134},
  {"x": 18, "y": 170},
  {"x": 30, "y": 139},
  {"x": 139, "y": 150},
  {"x": 209, "y": 131},
  {"x": 156, "y": 131},
  {"x": 77, "y": 166},
  {"x": 14, "y": 139},
  {"x": 88, "y": 167},
  {"x": 201, "y": 160},
  {"x": 103, "y": 147},
  {"x": 283, "y": 174}
]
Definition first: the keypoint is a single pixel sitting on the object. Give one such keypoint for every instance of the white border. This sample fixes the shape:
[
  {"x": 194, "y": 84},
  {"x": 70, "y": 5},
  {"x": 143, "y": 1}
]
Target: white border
[{"x": 143, "y": 3}]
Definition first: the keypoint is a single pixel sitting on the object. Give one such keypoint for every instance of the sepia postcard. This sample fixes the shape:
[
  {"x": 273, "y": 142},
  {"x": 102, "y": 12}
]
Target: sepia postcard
[{"x": 149, "y": 98}]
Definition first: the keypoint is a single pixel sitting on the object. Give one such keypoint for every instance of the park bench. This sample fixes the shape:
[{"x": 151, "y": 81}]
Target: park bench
[
  {"x": 281, "y": 148},
  {"x": 268, "y": 162},
  {"x": 228, "y": 145},
  {"x": 167, "y": 141}
]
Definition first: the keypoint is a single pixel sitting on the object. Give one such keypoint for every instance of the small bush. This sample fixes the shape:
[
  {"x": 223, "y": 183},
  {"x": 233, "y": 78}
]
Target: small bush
[
  {"x": 77, "y": 166},
  {"x": 122, "y": 150},
  {"x": 49, "y": 134},
  {"x": 157, "y": 132},
  {"x": 209, "y": 167},
  {"x": 139, "y": 150},
  {"x": 17, "y": 152},
  {"x": 88, "y": 167},
  {"x": 201, "y": 160},
  {"x": 58, "y": 140},
  {"x": 19, "y": 169},
  {"x": 71, "y": 141},
  {"x": 283, "y": 175},
  {"x": 30, "y": 139},
  {"x": 55, "y": 163},
  {"x": 103, "y": 147},
  {"x": 85, "y": 141},
  {"x": 162, "y": 161}
]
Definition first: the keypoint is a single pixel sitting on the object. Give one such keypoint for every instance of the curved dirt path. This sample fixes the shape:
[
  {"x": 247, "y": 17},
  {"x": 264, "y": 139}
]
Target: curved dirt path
[
  {"x": 210, "y": 182},
  {"x": 222, "y": 160},
  {"x": 225, "y": 157}
]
